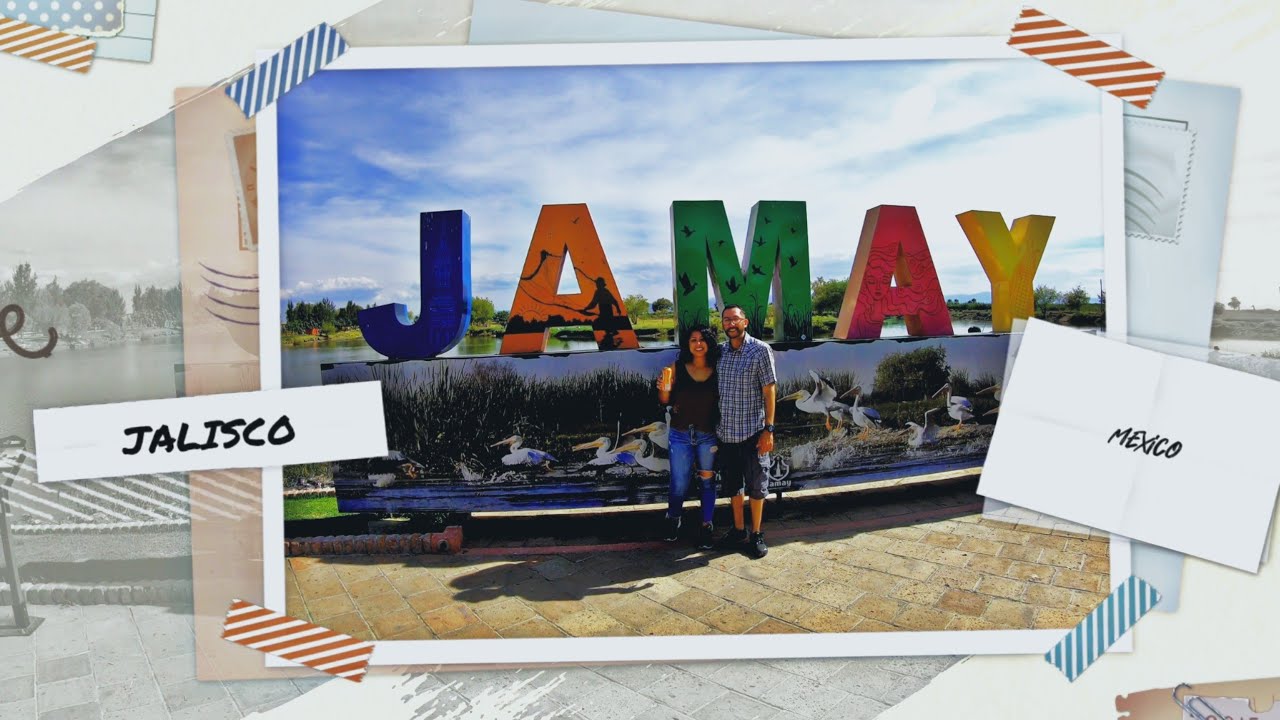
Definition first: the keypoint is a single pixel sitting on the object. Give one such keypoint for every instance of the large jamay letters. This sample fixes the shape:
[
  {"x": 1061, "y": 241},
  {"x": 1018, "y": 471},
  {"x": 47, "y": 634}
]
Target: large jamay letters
[{"x": 892, "y": 275}]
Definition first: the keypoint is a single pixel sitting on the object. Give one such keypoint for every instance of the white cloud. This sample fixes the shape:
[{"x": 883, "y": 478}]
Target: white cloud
[
  {"x": 110, "y": 216},
  {"x": 329, "y": 285},
  {"x": 945, "y": 137}
]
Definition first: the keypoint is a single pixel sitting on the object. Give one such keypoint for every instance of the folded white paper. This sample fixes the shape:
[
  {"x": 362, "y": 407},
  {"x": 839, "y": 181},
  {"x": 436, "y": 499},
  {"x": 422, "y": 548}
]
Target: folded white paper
[
  {"x": 1157, "y": 448},
  {"x": 211, "y": 432}
]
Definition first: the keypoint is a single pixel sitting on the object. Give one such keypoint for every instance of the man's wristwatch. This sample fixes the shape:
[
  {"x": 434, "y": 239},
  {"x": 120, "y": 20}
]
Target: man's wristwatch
[{"x": 768, "y": 428}]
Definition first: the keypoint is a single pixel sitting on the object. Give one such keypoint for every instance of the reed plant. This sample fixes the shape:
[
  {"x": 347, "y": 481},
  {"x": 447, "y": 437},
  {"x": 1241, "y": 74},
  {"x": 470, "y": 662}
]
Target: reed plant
[{"x": 439, "y": 413}]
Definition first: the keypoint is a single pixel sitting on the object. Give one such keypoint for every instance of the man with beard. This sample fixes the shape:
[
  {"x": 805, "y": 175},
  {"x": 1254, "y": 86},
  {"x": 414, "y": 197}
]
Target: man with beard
[{"x": 748, "y": 392}]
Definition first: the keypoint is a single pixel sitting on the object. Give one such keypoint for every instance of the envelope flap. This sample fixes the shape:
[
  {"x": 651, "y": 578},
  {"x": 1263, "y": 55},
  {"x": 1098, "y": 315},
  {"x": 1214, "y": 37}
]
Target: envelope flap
[{"x": 1079, "y": 381}]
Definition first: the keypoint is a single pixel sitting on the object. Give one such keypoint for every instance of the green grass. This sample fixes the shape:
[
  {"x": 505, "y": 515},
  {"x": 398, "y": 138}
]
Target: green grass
[
  {"x": 289, "y": 338},
  {"x": 312, "y": 508},
  {"x": 298, "y": 476}
]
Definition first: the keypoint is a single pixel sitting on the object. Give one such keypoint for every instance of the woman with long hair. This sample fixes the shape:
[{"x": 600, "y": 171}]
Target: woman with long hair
[{"x": 690, "y": 387}]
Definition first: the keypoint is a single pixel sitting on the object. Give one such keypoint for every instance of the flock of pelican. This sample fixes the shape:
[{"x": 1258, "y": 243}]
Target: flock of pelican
[
  {"x": 638, "y": 452},
  {"x": 607, "y": 455},
  {"x": 824, "y": 400}
]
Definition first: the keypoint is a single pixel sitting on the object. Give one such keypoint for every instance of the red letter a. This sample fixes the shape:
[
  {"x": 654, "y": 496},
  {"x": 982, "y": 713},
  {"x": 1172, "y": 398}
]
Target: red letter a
[{"x": 893, "y": 274}]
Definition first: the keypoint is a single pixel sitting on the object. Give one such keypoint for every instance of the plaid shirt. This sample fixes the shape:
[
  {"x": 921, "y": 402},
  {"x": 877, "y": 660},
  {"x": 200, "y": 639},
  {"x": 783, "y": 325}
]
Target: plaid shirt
[{"x": 743, "y": 373}]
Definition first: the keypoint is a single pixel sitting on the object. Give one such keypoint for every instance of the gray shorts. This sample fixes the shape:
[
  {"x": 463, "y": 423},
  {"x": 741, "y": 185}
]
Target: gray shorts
[{"x": 742, "y": 468}]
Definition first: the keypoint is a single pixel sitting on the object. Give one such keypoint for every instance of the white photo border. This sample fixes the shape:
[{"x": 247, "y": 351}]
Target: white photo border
[{"x": 673, "y": 648}]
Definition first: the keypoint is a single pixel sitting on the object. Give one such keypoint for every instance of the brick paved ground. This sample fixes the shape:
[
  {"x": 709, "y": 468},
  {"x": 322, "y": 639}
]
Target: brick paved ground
[
  {"x": 916, "y": 560},
  {"x": 954, "y": 571},
  {"x": 121, "y": 663}
]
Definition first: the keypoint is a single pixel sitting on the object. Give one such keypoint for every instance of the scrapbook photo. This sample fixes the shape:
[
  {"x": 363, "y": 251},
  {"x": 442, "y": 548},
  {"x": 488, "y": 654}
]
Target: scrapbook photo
[{"x": 687, "y": 339}]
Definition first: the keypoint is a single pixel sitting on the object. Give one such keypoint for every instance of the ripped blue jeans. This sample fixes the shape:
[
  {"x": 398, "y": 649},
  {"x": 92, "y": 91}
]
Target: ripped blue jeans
[{"x": 691, "y": 450}]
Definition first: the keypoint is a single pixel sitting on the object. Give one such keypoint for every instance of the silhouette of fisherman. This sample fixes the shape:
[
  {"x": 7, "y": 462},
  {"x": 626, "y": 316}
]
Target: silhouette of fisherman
[
  {"x": 607, "y": 319},
  {"x": 542, "y": 260}
]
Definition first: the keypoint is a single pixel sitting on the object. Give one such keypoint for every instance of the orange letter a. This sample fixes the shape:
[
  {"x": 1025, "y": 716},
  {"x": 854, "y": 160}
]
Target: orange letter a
[{"x": 566, "y": 230}]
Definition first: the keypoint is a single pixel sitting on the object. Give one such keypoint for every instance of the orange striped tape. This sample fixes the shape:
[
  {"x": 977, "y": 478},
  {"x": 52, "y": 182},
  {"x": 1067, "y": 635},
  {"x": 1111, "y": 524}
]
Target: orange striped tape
[
  {"x": 292, "y": 639},
  {"x": 1080, "y": 55},
  {"x": 64, "y": 50}
]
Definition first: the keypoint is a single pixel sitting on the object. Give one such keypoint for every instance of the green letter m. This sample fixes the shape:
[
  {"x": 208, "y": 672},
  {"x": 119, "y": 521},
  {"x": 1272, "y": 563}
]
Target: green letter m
[{"x": 777, "y": 254}]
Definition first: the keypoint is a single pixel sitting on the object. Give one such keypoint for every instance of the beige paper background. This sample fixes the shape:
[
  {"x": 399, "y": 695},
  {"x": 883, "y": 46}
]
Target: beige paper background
[{"x": 1224, "y": 630}]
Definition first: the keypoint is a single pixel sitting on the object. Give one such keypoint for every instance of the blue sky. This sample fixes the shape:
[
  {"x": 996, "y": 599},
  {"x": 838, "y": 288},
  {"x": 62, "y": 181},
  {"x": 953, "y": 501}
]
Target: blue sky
[{"x": 363, "y": 152}]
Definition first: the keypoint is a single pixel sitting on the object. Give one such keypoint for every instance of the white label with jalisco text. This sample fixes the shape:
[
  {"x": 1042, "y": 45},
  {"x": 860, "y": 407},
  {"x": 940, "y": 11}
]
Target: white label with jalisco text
[{"x": 211, "y": 432}]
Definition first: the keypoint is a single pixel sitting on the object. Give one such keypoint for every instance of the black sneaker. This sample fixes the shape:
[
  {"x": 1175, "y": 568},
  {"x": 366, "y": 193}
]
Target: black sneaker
[
  {"x": 706, "y": 537},
  {"x": 673, "y": 529},
  {"x": 756, "y": 545},
  {"x": 733, "y": 539}
]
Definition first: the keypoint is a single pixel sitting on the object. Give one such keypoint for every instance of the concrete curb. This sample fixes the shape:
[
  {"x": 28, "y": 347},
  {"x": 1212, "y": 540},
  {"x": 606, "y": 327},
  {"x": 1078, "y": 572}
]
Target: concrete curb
[
  {"x": 310, "y": 492},
  {"x": 91, "y": 528},
  {"x": 147, "y": 592},
  {"x": 449, "y": 541}
]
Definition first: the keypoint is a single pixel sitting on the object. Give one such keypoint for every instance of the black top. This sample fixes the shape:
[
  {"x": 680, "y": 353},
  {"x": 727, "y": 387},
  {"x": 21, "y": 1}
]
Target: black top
[{"x": 694, "y": 403}]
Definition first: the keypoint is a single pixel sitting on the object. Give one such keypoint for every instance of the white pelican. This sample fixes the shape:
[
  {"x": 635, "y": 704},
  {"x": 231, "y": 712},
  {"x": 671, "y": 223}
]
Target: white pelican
[
  {"x": 923, "y": 435},
  {"x": 864, "y": 417},
  {"x": 957, "y": 407},
  {"x": 523, "y": 455},
  {"x": 623, "y": 455},
  {"x": 822, "y": 401},
  {"x": 394, "y": 466},
  {"x": 651, "y": 462},
  {"x": 995, "y": 391},
  {"x": 657, "y": 433}
]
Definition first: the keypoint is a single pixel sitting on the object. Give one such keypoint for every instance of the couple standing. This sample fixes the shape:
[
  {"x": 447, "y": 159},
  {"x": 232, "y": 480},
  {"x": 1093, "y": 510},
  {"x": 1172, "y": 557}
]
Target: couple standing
[{"x": 722, "y": 399}]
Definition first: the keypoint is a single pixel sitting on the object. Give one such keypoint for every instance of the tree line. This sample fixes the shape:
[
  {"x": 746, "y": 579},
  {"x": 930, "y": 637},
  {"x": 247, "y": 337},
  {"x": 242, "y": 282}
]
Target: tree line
[
  {"x": 86, "y": 305},
  {"x": 156, "y": 307},
  {"x": 827, "y": 296},
  {"x": 302, "y": 317}
]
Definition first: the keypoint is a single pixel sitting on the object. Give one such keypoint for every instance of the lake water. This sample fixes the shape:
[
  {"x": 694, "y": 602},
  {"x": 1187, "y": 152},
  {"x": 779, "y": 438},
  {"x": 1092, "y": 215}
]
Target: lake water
[
  {"x": 119, "y": 373},
  {"x": 1242, "y": 345},
  {"x": 300, "y": 365},
  {"x": 145, "y": 370}
]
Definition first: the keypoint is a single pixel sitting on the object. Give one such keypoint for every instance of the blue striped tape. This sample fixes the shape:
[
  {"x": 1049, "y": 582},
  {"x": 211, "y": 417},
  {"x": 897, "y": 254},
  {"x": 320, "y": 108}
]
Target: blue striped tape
[
  {"x": 1103, "y": 627},
  {"x": 277, "y": 75}
]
